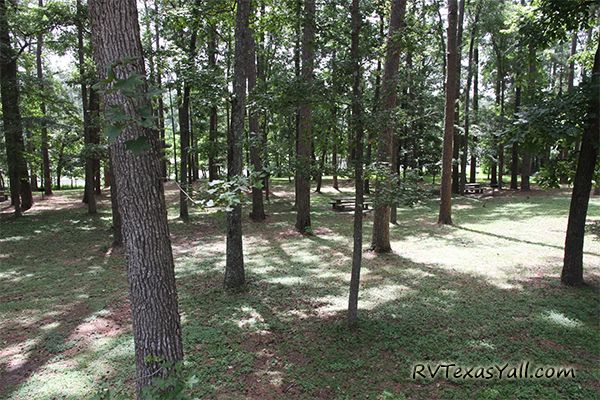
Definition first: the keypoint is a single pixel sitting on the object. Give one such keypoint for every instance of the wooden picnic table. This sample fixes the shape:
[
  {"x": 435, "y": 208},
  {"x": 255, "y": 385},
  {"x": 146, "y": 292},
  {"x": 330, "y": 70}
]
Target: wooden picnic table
[
  {"x": 473, "y": 188},
  {"x": 342, "y": 203}
]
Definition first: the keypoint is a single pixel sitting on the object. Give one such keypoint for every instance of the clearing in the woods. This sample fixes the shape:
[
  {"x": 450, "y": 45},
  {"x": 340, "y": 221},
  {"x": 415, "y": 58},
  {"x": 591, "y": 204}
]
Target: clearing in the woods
[{"x": 485, "y": 291}]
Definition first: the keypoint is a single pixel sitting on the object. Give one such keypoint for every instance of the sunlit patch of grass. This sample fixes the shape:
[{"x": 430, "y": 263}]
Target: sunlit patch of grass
[{"x": 560, "y": 319}]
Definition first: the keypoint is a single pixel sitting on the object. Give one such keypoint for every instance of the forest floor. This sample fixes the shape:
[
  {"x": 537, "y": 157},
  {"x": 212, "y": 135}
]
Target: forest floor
[{"x": 483, "y": 292}]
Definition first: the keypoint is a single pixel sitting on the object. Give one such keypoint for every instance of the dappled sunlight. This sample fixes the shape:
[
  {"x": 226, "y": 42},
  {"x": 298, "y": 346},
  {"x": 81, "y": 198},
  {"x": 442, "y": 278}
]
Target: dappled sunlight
[
  {"x": 560, "y": 319},
  {"x": 369, "y": 298}
]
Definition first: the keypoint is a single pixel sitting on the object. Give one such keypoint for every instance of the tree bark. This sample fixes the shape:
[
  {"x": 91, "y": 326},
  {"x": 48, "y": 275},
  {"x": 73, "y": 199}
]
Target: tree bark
[
  {"x": 445, "y": 215},
  {"x": 141, "y": 201},
  {"x": 303, "y": 155},
  {"x": 357, "y": 126},
  {"x": 212, "y": 133},
  {"x": 256, "y": 140},
  {"x": 473, "y": 162},
  {"x": 40, "y": 76},
  {"x": 234, "y": 267},
  {"x": 572, "y": 272},
  {"x": 20, "y": 187},
  {"x": 88, "y": 194},
  {"x": 531, "y": 78},
  {"x": 457, "y": 138},
  {"x": 380, "y": 242}
]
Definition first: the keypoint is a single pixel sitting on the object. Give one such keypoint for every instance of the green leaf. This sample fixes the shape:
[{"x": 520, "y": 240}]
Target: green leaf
[
  {"x": 113, "y": 131},
  {"x": 139, "y": 145}
]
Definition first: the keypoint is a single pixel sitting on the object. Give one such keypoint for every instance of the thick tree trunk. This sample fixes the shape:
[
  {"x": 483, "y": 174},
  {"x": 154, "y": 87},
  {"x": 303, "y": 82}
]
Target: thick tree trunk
[
  {"x": 445, "y": 216},
  {"x": 141, "y": 201},
  {"x": 40, "y": 76},
  {"x": 255, "y": 135},
  {"x": 20, "y": 188},
  {"x": 357, "y": 126},
  {"x": 572, "y": 272},
  {"x": 380, "y": 241},
  {"x": 234, "y": 267},
  {"x": 303, "y": 155}
]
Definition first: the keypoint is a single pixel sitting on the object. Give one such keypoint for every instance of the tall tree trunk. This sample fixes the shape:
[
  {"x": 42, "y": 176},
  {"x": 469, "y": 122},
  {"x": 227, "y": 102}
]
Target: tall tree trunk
[
  {"x": 256, "y": 141},
  {"x": 40, "y": 77},
  {"x": 161, "y": 105},
  {"x": 141, "y": 201},
  {"x": 357, "y": 126},
  {"x": 234, "y": 267},
  {"x": 514, "y": 166},
  {"x": 304, "y": 146},
  {"x": 380, "y": 242},
  {"x": 572, "y": 272},
  {"x": 20, "y": 188},
  {"x": 457, "y": 139},
  {"x": 531, "y": 78},
  {"x": 372, "y": 132},
  {"x": 88, "y": 194},
  {"x": 212, "y": 133},
  {"x": 473, "y": 162},
  {"x": 172, "y": 109},
  {"x": 184, "y": 135},
  {"x": 445, "y": 216}
]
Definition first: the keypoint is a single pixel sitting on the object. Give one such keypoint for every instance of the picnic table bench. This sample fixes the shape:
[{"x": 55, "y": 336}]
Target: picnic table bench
[
  {"x": 3, "y": 196},
  {"x": 343, "y": 203},
  {"x": 473, "y": 188}
]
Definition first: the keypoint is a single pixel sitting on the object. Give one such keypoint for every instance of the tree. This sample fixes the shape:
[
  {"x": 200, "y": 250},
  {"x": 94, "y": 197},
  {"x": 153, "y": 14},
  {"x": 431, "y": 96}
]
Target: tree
[
  {"x": 572, "y": 272},
  {"x": 305, "y": 122},
  {"x": 234, "y": 267},
  {"x": 89, "y": 195},
  {"x": 255, "y": 137},
  {"x": 445, "y": 216},
  {"x": 381, "y": 219},
  {"x": 44, "y": 129},
  {"x": 18, "y": 175},
  {"x": 141, "y": 202},
  {"x": 357, "y": 125}
]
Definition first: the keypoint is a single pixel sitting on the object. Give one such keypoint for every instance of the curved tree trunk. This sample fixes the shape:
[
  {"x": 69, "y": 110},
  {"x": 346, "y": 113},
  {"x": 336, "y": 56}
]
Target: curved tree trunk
[
  {"x": 141, "y": 201},
  {"x": 572, "y": 273},
  {"x": 381, "y": 220}
]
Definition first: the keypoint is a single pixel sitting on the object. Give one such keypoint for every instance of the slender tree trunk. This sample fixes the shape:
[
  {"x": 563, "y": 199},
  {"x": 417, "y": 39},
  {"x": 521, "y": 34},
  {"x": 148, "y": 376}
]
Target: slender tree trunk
[
  {"x": 184, "y": 135},
  {"x": 572, "y": 272},
  {"x": 256, "y": 141},
  {"x": 160, "y": 102},
  {"x": 117, "y": 225},
  {"x": 372, "y": 132},
  {"x": 141, "y": 201},
  {"x": 88, "y": 194},
  {"x": 473, "y": 162},
  {"x": 357, "y": 126},
  {"x": 526, "y": 159},
  {"x": 381, "y": 220},
  {"x": 20, "y": 188},
  {"x": 457, "y": 139},
  {"x": 40, "y": 77},
  {"x": 514, "y": 166},
  {"x": 172, "y": 109},
  {"x": 445, "y": 216},
  {"x": 234, "y": 267},
  {"x": 303, "y": 223},
  {"x": 212, "y": 133},
  {"x": 334, "y": 155}
]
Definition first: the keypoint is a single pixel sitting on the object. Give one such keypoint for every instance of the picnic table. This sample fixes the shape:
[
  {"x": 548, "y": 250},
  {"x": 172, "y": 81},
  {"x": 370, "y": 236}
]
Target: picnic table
[
  {"x": 473, "y": 188},
  {"x": 345, "y": 203},
  {"x": 3, "y": 196}
]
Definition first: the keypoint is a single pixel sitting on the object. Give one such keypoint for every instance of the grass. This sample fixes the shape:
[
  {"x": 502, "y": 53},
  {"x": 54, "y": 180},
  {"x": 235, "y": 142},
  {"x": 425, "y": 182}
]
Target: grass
[{"x": 485, "y": 291}]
